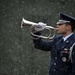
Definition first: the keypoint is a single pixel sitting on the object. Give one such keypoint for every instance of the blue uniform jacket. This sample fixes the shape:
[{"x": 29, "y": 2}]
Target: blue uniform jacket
[{"x": 60, "y": 63}]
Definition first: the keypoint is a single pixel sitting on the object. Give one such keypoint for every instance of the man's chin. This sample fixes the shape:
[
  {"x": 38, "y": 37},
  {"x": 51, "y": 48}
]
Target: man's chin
[{"x": 59, "y": 32}]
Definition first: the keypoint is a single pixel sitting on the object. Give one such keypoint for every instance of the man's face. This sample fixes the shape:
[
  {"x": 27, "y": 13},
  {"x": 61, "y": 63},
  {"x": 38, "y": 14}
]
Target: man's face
[{"x": 62, "y": 28}]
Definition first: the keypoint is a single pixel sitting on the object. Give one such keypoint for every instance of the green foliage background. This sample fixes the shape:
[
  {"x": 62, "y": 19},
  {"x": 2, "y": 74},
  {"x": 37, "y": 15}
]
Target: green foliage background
[{"x": 17, "y": 54}]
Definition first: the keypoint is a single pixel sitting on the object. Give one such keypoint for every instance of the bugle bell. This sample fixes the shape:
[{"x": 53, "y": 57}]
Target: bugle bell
[{"x": 33, "y": 24}]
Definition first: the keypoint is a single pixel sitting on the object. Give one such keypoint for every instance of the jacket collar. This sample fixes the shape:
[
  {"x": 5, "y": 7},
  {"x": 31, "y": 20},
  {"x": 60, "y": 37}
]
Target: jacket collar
[
  {"x": 65, "y": 38},
  {"x": 70, "y": 39},
  {"x": 61, "y": 45}
]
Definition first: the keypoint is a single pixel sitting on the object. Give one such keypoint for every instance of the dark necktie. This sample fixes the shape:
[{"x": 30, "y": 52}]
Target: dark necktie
[{"x": 62, "y": 40}]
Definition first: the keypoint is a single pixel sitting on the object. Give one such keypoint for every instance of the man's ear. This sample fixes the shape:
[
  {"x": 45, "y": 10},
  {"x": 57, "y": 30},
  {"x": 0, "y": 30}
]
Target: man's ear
[{"x": 69, "y": 27}]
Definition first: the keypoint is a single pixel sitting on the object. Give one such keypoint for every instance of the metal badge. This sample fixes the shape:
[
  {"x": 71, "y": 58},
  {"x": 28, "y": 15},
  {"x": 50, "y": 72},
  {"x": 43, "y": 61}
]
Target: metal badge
[
  {"x": 65, "y": 49},
  {"x": 64, "y": 59}
]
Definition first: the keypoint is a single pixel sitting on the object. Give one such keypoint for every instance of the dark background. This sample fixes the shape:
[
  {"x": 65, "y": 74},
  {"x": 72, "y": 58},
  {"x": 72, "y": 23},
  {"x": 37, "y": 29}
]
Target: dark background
[{"x": 17, "y": 54}]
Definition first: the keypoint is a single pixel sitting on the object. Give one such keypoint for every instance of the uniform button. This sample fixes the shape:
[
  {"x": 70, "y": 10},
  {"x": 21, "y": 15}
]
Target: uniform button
[
  {"x": 53, "y": 69},
  {"x": 55, "y": 57},
  {"x": 54, "y": 63}
]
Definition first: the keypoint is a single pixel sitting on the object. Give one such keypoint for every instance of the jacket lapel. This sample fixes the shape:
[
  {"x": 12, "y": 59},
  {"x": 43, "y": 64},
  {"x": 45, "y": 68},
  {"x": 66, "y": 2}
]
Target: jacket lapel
[
  {"x": 60, "y": 45},
  {"x": 70, "y": 40}
]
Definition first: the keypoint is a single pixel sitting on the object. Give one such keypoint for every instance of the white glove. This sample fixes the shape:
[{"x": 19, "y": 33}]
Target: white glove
[{"x": 40, "y": 26}]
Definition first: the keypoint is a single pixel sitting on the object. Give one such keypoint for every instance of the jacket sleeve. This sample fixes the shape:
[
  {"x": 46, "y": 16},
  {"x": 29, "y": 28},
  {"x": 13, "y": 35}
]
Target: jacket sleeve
[{"x": 42, "y": 45}]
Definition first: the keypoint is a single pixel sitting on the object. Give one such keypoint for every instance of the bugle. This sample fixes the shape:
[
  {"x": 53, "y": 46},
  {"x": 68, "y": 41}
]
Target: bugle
[{"x": 29, "y": 23}]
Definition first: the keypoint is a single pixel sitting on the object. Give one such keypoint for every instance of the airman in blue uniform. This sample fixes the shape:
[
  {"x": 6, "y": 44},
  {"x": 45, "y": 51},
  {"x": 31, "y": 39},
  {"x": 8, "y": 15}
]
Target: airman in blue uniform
[{"x": 62, "y": 55}]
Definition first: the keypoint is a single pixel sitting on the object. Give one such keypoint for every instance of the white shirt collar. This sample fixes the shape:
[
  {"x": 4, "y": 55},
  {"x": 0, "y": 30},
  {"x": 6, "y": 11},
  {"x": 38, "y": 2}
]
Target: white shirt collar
[{"x": 65, "y": 38}]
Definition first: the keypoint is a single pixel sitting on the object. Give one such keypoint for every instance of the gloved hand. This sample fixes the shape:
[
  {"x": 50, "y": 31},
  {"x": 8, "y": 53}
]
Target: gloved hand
[
  {"x": 40, "y": 26},
  {"x": 36, "y": 29}
]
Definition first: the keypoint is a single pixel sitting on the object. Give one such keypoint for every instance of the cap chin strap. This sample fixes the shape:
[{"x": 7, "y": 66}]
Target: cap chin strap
[{"x": 62, "y": 21}]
